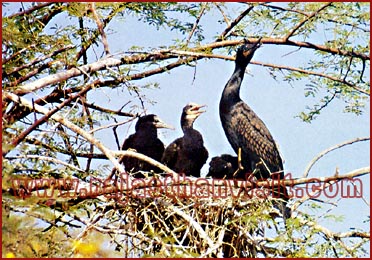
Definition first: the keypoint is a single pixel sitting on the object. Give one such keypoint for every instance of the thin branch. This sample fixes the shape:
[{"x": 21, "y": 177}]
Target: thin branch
[
  {"x": 284, "y": 9},
  {"x": 147, "y": 159},
  {"x": 306, "y": 19},
  {"x": 225, "y": 18},
  {"x": 18, "y": 53},
  {"x": 110, "y": 111},
  {"x": 274, "y": 66},
  {"x": 46, "y": 158},
  {"x": 313, "y": 161},
  {"x": 309, "y": 72},
  {"x": 160, "y": 55},
  {"x": 69, "y": 125},
  {"x": 234, "y": 23},
  {"x": 30, "y": 10},
  {"x": 45, "y": 118},
  {"x": 196, "y": 24},
  {"x": 33, "y": 141},
  {"x": 111, "y": 125},
  {"x": 37, "y": 60},
  {"x": 100, "y": 26},
  {"x": 96, "y": 33},
  {"x": 192, "y": 222}
]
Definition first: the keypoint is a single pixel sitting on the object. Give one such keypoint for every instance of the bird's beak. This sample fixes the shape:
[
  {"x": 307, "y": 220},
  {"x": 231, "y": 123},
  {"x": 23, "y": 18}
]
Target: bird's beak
[
  {"x": 258, "y": 44},
  {"x": 251, "y": 47},
  {"x": 196, "y": 109},
  {"x": 161, "y": 124}
]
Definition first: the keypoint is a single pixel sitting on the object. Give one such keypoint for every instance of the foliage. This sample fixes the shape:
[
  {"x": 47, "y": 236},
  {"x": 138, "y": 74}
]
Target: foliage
[{"x": 57, "y": 56}]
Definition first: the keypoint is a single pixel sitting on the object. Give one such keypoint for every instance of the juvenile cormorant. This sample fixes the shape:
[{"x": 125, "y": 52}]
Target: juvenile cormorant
[
  {"x": 145, "y": 140},
  {"x": 223, "y": 167},
  {"x": 187, "y": 154},
  {"x": 244, "y": 129}
]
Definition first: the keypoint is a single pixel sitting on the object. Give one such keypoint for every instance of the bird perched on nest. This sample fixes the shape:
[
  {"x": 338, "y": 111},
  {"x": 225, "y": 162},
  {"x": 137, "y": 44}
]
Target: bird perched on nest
[
  {"x": 245, "y": 131},
  {"x": 223, "y": 167},
  {"x": 145, "y": 140},
  {"x": 187, "y": 154}
]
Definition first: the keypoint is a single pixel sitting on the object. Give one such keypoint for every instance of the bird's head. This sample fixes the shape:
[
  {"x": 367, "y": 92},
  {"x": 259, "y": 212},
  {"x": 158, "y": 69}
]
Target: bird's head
[
  {"x": 151, "y": 121},
  {"x": 245, "y": 52},
  {"x": 192, "y": 111}
]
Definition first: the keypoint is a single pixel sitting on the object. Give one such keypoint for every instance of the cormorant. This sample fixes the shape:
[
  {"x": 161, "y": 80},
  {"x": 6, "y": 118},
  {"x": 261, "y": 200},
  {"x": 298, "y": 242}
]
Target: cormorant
[
  {"x": 245, "y": 130},
  {"x": 223, "y": 167},
  {"x": 145, "y": 140},
  {"x": 187, "y": 154}
]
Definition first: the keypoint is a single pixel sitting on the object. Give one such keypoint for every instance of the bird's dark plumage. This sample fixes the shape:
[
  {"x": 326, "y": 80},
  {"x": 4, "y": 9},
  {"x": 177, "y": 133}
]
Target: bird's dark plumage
[
  {"x": 243, "y": 128},
  {"x": 187, "y": 154},
  {"x": 145, "y": 140},
  {"x": 223, "y": 167}
]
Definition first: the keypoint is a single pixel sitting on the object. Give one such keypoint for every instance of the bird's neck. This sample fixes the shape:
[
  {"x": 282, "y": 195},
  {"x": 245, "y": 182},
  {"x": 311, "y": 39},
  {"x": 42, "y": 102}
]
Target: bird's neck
[
  {"x": 231, "y": 92},
  {"x": 150, "y": 132},
  {"x": 186, "y": 125}
]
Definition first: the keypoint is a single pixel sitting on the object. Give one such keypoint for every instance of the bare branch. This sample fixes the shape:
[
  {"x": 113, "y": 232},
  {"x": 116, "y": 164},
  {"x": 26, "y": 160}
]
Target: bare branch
[
  {"x": 4, "y": 61},
  {"x": 234, "y": 23},
  {"x": 43, "y": 119},
  {"x": 96, "y": 33},
  {"x": 69, "y": 125},
  {"x": 30, "y": 10},
  {"x": 226, "y": 19},
  {"x": 34, "y": 141},
  {"x": 196, "y": 24},
  {"x": 159, "y": 55},
  {"x": 46, "y": 158},
  {"x": 111, "y": 125},
  {"x": 192, "y": 222},
  {"x": 313, "y": 161},
  {"x": 37, "y": 60},
  {"x": 100, "y": 27},
  {"x": 274, "y": 66},
  {"x": 306, "y": 19}
]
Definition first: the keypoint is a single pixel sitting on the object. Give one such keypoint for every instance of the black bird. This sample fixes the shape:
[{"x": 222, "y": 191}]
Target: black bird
[
  {"x": 223, "y": 167},
  {"x": 187, "y": 154},
  {"x": 145, "y": 140},
  {"x": 244, "y": 129}
]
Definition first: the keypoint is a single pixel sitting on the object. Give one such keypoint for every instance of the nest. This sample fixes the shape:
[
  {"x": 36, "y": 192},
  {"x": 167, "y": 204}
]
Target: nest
[{"x": 188, "y": 220}]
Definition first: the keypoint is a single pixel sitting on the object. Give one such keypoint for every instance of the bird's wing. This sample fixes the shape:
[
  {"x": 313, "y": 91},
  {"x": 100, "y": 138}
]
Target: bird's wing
[
  {"x": 171, "y": 153},
  {"x": 257, "y": 139},
  {"x": 128, "y": 143}
]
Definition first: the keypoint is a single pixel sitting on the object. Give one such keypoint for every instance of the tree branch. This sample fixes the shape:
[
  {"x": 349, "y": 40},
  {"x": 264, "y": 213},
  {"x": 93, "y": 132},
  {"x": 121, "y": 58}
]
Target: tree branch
[
  {"x": 313, "y": 161},
  {"x": 234, "y": 23},
  {"x": 45, "y": 118},
  {"x": 159, "y": 55},
  {"x": 30, "y": 10},
  {"x": 195, "y": 24},
  {"x": 100, "y": 27},
  {"x": 46, "y": 158},
  {"x": 306, "y": 19},
  {"x": 69, "y": 125}
]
